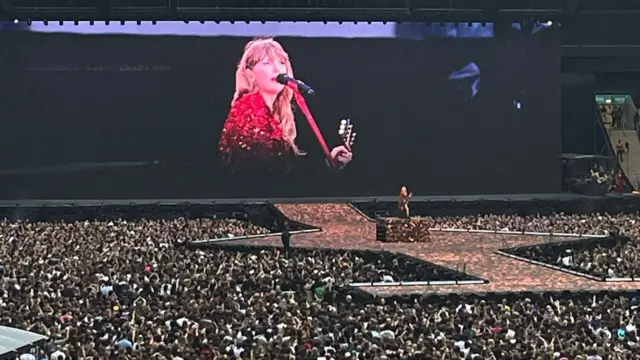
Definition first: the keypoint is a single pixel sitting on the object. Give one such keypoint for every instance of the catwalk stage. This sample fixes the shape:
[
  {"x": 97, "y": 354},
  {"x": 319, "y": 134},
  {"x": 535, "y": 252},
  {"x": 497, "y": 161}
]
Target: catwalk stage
[{"x": 341, "y": 226}]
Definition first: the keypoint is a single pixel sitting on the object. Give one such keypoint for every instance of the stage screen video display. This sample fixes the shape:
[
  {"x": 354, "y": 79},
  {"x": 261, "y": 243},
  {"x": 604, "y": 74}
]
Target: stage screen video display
[{"x": 277, "y": 110}]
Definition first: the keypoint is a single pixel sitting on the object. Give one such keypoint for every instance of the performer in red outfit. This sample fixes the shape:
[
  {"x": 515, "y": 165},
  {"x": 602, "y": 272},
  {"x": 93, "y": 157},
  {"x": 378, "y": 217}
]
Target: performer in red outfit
[
  {"x": 403, "y": 201},
  {"x": 260, "y": 131}
]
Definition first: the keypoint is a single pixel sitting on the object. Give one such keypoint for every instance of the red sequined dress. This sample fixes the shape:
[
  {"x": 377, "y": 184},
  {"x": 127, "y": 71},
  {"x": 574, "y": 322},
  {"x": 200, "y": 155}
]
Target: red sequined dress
[{"x": 252, "y": 140}]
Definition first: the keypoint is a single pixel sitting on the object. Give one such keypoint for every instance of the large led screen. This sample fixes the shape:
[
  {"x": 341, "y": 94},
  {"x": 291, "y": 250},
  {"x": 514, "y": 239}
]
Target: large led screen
[{"x": 177, "y": 110}]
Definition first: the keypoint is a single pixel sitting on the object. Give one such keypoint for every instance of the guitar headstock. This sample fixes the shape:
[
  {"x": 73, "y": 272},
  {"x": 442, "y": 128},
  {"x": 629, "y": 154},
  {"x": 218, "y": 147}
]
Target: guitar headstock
[{"x": 346, "y": 133}]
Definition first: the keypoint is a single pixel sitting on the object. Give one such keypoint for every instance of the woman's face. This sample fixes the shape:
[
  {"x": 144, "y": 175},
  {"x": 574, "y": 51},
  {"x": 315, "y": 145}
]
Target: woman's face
[{"x": 265, "y": 72}]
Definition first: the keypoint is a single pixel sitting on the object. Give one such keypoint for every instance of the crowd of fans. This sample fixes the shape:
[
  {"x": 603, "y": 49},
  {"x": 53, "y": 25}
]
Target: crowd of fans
[
  {"x": 596, "y": 181},
  {"x": 132, "y": 290},
  {"x": 585, "y": 224},
  {"x": 79, "y": 283},
  {"x": 352, "y": 266}
]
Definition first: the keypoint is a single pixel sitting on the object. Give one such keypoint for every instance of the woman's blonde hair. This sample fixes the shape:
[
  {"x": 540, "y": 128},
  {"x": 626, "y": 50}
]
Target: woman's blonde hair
[{"x": 255, "y": 51}]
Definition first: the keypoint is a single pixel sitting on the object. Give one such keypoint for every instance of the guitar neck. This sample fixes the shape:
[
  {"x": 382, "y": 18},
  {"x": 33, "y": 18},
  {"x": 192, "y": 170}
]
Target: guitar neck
[{"x": 346, "y": 132}]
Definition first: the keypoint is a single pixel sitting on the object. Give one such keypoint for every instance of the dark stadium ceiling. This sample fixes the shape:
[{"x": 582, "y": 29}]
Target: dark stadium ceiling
[{"x": 314, "y": 10}]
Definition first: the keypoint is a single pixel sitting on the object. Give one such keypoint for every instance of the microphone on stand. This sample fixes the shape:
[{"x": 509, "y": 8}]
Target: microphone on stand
[{"x": 285, "y": 79}]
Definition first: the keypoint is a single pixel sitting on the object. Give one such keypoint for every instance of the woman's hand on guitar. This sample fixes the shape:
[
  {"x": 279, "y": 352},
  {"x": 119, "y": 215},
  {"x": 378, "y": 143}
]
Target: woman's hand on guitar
[{"x": 341, "y": 156}]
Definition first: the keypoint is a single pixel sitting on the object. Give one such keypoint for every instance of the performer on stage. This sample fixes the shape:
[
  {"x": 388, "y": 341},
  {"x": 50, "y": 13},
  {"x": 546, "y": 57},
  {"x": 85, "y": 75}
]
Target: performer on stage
[
  {"x": 260, "y": 131},
  {"x": 403, "y": 201}
]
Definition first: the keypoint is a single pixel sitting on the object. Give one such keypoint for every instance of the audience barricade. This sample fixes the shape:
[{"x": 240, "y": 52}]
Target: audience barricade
[
  {"x": 506, "y": 232},
  {"x": 608, "y": 258},
  {"x": 248, "y": 237}
]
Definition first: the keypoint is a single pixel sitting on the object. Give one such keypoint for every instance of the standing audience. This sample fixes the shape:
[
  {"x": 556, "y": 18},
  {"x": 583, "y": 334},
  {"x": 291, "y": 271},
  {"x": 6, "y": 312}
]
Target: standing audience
[
  {"x": 586, "y": 224},
  {"x": 124, "y": 290}
]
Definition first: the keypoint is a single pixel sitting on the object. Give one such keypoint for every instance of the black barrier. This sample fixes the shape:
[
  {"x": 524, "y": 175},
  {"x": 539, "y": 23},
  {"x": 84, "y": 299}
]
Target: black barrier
[
  {"x": 441, "y": 298},
  {"x": 202, "y": 243},
  {"x": 262, "y": 214},
  {"x": 534, "y": 254},
  {"x": 550, "y": 266},
  {"x": 138, "y": 116}
]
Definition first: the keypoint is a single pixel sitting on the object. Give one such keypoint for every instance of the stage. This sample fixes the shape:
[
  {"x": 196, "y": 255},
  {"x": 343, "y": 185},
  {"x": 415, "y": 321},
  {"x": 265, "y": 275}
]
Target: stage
[
  {"x": 337, "y": 225},
  {"x": 521, "y": 204},
  {"x": 303, "y": 200}
]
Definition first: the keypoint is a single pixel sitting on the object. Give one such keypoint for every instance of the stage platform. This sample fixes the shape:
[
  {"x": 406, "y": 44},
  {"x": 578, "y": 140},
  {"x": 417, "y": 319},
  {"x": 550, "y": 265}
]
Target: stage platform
[
  {"x": 521, "y": 204},
  {"x": 385, "y": 206},
  {"x": 304, "y": 200}
]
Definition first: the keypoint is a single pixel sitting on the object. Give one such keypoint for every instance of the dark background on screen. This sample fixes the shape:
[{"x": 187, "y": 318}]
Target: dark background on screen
[{"x": 414, "y": 126}]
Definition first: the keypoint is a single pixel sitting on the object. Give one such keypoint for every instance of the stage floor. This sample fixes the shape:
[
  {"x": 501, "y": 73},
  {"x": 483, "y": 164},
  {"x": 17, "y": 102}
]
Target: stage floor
[
  {"x": 344, "y": 228},
  {"x": 309, "y": 200}
]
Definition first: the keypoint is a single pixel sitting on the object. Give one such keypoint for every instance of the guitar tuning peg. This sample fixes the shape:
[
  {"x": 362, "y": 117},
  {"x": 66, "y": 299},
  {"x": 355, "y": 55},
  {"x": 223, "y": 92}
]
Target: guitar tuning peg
[
  {"x": 343, "y": 122},
  {"x": 350, "y": 126}
]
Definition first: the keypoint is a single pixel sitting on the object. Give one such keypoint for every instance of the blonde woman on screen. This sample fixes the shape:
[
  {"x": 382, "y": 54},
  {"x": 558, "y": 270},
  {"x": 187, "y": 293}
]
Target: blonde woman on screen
[{"x": 260, "y": 131}]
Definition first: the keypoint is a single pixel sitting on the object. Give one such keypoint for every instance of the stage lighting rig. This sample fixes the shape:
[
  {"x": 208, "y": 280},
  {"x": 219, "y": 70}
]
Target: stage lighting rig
[{"x": 313, "y": 10}]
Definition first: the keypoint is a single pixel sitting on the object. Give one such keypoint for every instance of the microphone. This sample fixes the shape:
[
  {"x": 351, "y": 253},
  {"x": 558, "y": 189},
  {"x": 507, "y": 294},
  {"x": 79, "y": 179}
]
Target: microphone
[{"x": 285, "y": 79}]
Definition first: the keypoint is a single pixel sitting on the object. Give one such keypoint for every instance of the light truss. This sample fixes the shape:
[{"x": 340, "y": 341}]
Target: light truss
[{"x": 311, "y": 10}]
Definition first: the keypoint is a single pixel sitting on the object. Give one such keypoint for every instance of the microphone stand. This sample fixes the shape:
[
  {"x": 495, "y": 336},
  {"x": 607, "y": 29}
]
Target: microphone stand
[{"x": 302, "y": 103}]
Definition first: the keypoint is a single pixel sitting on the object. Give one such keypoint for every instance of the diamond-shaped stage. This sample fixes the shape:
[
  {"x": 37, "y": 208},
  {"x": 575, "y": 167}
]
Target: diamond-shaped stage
[{"x": 344, "y": 228}]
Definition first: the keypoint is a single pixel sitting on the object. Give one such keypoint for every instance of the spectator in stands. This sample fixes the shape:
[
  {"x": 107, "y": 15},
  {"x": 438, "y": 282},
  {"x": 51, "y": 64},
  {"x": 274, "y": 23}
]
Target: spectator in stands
[
  {"x": 620, "y": 150},
  {"x": 617, "y": 114},
  {"x": 606, "y": 117}
]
